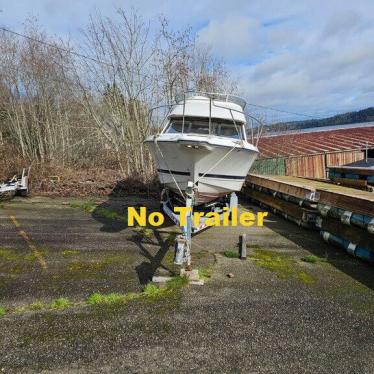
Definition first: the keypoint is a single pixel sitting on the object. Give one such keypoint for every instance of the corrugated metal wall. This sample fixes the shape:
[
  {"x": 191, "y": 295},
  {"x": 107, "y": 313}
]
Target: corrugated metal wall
[
  {"x": 313, "y": 166},
  {"x": 269, "y": 166}
]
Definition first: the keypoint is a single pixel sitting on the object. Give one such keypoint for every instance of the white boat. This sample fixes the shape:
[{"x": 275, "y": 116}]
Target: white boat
[{"x": 204, "y": 141}]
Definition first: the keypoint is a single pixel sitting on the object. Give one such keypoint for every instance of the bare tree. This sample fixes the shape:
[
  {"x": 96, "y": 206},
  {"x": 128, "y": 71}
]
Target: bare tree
[{"x": 63, "y": 107}]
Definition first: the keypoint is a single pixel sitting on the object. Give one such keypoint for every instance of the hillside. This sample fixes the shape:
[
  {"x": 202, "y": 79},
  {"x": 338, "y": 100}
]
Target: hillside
[{"x": 364, "y": 115}]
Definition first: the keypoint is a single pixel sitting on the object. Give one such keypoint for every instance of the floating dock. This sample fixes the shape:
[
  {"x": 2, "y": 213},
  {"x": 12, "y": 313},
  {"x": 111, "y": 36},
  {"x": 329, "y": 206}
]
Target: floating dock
[{"x": 343, "y": 215}]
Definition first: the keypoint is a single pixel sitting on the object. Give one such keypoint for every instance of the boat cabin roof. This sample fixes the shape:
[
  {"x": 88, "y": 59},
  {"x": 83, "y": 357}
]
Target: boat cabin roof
[{"x": 208, "y": 107}]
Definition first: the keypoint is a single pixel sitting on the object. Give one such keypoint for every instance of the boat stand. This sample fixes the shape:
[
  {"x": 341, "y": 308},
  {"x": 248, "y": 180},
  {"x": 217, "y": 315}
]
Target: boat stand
[
  {"x": 183, "y": 242},
  {"x": 17, "y": 184}
]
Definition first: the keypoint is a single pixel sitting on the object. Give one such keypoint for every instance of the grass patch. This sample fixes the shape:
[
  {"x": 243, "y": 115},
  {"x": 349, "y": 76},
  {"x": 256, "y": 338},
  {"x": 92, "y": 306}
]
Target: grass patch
[
  {"x": 61, "y": 303},
  {"x": 282, "y": 265},
  {"x": 33, "y": 257},
  {"x": 88, "y": 206},
  {"x": 176, "y": 283},
  {"x": 231, "y": 254},
  {"x": 99, "y": 211},
  {"x": 312, "y": 259},
  {"x": 36, "y": 306},
  {"x": 70, "y": 252},
  {"x": 274, "y": 262},
  {"x": 110, "y": 299},
  {"x": 109, "y": 214},
  {"x": 305, "y": 277},
  {"x": 31, "y": 307},
  {"x": 8, "y": 254},
  {"x": 206, "y": 272},
  {"x": 253, "y": 246},
  {"x": 86, "y": 266},
  {"x": 144, "y": 231},
  {"x": 2, "y": 311},
  {"x": 151, "y": 290}
]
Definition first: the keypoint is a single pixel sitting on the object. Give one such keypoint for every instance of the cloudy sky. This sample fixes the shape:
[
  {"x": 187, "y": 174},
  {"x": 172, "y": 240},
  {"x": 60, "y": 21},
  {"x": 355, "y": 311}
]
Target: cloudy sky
[{"x": 306, "y": 56}]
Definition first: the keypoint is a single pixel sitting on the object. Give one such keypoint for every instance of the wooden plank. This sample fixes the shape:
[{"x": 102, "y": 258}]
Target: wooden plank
[
  {"x": 355, "y": 235},
  {"x": 284, "y": 206},
  {"x": 295, "y": 189},
  {"x": 342, "y": 158},
  {"x": 347, "y": 198},
  {"x": 306, "y": 166},
  {"x": 357, "y": 183},
  {"x": 357, "y": 202}
]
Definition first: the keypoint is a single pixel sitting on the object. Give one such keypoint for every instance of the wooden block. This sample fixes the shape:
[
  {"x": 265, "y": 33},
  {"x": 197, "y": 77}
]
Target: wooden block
[
  {"x": 160, "y": 279},
  {"x": 358, "y": 183}
]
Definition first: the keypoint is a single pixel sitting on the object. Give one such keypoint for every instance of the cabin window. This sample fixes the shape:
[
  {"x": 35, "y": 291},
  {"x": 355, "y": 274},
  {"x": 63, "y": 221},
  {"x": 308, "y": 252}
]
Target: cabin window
[
  {"x": 174, "y": 128},
  {"x": 201, "y": 127},
  {"x": 197, "y": 127},
  {"x": 227, "y": 130}
]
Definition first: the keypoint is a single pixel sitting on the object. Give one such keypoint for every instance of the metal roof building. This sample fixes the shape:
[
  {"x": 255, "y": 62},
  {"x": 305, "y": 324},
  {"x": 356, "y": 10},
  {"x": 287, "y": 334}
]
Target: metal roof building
[{"x": 310, "y": 152}]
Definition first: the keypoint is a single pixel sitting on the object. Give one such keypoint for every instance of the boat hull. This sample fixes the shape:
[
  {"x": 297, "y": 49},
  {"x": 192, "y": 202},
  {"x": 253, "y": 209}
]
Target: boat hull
[{"x": 215, "y": 169}]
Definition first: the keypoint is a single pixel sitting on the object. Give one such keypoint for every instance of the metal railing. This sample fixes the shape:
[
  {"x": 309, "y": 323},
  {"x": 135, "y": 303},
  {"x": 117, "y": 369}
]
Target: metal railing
[{"x": 214, "y": 96}]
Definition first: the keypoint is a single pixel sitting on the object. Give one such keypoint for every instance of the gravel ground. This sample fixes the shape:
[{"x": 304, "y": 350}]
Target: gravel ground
[{"x": 278, "y": 314}]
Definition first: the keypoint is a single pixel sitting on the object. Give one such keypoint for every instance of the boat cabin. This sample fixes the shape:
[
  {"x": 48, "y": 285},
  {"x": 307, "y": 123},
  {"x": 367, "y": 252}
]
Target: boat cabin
[{"x": 208, "y": 114}]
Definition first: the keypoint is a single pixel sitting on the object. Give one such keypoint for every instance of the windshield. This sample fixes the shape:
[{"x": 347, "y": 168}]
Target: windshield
[{"x": 201, "y": 126}]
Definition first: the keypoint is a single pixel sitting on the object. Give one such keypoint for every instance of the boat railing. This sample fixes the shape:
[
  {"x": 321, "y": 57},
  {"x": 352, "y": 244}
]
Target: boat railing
[{"x": 212, "y": 95}]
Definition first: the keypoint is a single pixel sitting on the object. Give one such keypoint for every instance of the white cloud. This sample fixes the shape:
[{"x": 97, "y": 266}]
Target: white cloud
[
  {"x": 234, "y": 37},
  {"x": 328, "y": 64},
  {"x": 310, "y": 55}
]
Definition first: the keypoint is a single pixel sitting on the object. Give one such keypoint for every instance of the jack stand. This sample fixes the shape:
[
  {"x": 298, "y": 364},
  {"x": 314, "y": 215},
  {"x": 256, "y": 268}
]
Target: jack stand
[{"x": 183, "y": 242}]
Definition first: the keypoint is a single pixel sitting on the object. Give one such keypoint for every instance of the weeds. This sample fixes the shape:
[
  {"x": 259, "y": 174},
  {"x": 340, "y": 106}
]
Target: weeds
[
  {"x": 283, "y": 266},
  {"x": 176, "y": 283},
  {"x": 231, "y": 254},
  {"x": 86, "y": 266},
  {"x": 206, "y": 272},
  {"x": 69, "y": 252},
  {"x": 36, "y": 306},
  {"x": 305, "y": 277},
  {"x": 313, "y": 259},
  {"x": 144, "y": 231},
  {"x": 151, "y": 290},
  {"x": 8, "y": 254},
  {"x": 87, "y": 206},
  {"x": 110, "y": 299},
  {"x": 60, "y": 303},
  {"x": 99, "y": 211}
]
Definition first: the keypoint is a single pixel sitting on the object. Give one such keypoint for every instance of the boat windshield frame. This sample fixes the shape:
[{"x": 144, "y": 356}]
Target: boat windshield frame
[{"x": 206, "y": 127}]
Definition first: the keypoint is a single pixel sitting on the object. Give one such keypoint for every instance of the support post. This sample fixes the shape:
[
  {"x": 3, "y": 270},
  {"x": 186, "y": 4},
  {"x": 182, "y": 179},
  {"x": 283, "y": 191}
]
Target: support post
[
  {"x": 243, "y": 246},
  {"x": 183, "y": 242},
  {"x": 233, "y": 201}
]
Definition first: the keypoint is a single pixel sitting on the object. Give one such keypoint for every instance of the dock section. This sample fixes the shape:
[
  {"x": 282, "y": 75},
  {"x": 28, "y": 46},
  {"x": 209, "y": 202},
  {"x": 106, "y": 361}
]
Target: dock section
[{"x": 344, "y": 216}]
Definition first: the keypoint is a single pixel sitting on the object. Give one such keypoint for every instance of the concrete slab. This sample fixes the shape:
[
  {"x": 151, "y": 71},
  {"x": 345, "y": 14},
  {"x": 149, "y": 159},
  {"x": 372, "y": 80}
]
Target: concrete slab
[{"x": 278, "y": 314}]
